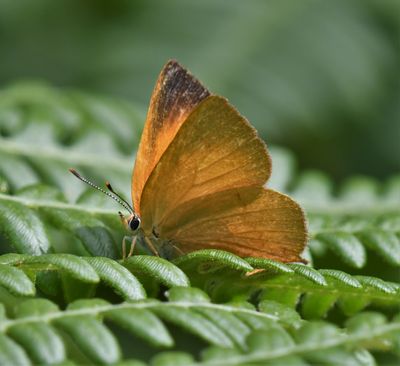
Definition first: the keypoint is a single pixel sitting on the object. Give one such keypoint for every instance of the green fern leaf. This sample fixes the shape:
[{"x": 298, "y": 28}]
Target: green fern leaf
[
  {"x": 23, "y": 228},
  {"x": 118, "y": 277},
  {"x": 83, "y": 322},
  {"x": 364, "y": 218},
  {"x": 11, "y": 353},
  {"x": 313, "y": 342},
  {"x": 287, "y": 283},
  {"x": 16, "y": 281},
  {"x": 158, "y": 268}
]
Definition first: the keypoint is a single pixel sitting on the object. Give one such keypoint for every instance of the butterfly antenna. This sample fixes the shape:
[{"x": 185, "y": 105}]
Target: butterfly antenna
[
  {"x": 117, "y": 198},
  {"x": 108, "y": 185}
]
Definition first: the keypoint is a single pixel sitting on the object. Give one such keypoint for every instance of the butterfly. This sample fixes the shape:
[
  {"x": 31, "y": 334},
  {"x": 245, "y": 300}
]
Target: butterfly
[{"x": 199, "y": 176}]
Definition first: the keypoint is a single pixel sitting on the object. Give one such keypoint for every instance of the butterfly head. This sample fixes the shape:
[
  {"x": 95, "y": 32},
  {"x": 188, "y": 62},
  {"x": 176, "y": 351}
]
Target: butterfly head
[{"x": 134, "y": 222}]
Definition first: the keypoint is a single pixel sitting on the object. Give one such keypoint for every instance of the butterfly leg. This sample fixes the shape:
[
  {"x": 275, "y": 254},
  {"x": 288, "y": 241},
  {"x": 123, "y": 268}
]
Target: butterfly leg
[
  {"x": 133, "y": 241},
  {"x": 133, "y": 244},
  {"x": 151, "y": 246},
  {"x": 124, "y": 246},
  {"x": 178, "y": 250}
]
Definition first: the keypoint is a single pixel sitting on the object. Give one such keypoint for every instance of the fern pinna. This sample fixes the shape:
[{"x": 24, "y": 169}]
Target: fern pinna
[{"x": 67, "y": 297}]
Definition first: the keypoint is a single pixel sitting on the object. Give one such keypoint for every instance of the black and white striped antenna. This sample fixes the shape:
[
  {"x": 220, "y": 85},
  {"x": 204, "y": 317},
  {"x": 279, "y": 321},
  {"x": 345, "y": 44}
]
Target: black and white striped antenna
[{"x": 115, "y": 196}]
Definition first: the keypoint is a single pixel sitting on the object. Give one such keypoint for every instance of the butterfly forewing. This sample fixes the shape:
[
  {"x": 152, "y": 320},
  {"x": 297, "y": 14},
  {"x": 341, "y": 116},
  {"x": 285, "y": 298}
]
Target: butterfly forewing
[
  {"x": 175, "y": 95},
  {"x": 215, "y": 149}
]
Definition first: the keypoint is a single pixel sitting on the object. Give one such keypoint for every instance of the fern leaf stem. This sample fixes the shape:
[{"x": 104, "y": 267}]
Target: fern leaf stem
[{"x": 6, "y": 324}]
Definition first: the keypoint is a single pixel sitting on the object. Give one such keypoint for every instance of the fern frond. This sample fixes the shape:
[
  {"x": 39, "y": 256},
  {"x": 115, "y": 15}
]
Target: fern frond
[
  {"x": 353, "y": 221},
  {"x": 363, "y": 217},
  {"x": 223, "y": 275},
  {"x": 28, "y": 222},
  {"x": 313, "y": 291},
  {"x": 19, "y": 272},
  {"x": 39, "y": 331},
  {"x": 314, "y": 342},
  {"x": 44, "y": 131}
]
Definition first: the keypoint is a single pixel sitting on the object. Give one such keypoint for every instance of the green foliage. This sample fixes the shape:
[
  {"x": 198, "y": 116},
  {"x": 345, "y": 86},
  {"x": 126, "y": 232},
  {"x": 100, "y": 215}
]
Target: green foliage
[
  {"x": 39, "y": 332},
  {"x": 312, "y": 343},
  {"x": 361, "y": 219},
  {"x": 66, "y": 296},
  {"x": 312, "y": 292},
  {"x": 211, "y": 270},
  {"x": 21, "y": 272},
  {"x": 44, "y": 131},
  {"x": 219, "y": 325}
]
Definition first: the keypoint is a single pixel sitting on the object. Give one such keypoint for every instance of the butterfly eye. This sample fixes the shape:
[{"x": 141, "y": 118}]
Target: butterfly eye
[{"x": 134, "y": 223}]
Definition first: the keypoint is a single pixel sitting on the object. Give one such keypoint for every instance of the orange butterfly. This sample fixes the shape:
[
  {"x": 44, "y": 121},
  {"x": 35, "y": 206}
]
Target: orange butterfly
[{"x": 198, "y": 179}]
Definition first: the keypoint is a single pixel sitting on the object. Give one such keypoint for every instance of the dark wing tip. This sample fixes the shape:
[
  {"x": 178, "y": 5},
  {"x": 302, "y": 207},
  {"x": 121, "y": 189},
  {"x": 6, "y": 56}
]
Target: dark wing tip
[
  {"x": 177, "y": 93},
  {"x": 175, "y": 73},
  {"x": 171, "y": 68}
]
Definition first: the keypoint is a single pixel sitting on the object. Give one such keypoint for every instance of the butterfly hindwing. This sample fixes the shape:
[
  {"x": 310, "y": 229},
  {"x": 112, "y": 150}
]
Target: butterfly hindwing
[{"x": 257, "y": 222}]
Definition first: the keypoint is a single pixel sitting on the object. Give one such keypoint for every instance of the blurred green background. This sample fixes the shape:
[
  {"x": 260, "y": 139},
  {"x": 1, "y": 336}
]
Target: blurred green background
[{"x": 319, "y": 77}]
